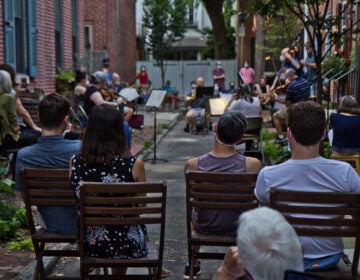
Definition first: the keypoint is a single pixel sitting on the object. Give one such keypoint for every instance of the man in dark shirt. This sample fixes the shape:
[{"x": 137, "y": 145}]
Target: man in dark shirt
[{"x": 297, "y": 90}]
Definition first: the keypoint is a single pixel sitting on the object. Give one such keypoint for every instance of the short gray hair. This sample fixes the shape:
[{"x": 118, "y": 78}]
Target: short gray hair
[
  {"x": 268, "y": 244},
  {"x": 5, "y": 82}
]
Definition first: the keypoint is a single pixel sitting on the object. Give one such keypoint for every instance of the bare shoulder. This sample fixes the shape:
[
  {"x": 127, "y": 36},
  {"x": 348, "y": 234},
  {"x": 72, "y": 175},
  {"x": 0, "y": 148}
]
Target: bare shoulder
[
  {"x": 191, "y": 164},
  {"x": 253, "y": 164}
]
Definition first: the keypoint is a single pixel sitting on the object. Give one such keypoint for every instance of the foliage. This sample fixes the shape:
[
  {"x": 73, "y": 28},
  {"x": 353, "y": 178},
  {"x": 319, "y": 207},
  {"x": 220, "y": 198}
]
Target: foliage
[
  {"x": 335, "y": 63},
  {"x": 327, "y": 149},
  {"x": 147, "y": 144},
  {"x": 24, "y": 244},
  {"x": 318, "y": 23},
  {"x": 209, "y": 51},
  {"x": 64, "y": 81},
  {"x": 165, "y": 23},
  {"x": 273, "y": 153},
  {"x": 12, "y": 217}
]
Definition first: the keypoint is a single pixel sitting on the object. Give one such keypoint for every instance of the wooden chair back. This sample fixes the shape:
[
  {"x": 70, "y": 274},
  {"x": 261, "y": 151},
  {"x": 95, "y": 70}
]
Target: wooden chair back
[
  {"x": 353, "y": 160},
  {"x": 323, "y": 214},
  {"x": 216, "y": 190},
  {"x": 48, "y": 187},
  {"x": 127, "y": 204}
]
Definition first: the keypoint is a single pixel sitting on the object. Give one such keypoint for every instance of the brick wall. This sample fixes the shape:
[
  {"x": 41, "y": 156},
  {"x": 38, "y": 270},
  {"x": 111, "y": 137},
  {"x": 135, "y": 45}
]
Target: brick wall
[
  {"x": 81, "y": 29},
  {"x": 67, "y": 55}
]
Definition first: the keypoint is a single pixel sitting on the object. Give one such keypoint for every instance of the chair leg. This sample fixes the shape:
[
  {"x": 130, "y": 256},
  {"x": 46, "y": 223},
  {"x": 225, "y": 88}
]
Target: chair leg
[
  {"x": 192, "y": 264},
  {"x": 39, "y": 272}
]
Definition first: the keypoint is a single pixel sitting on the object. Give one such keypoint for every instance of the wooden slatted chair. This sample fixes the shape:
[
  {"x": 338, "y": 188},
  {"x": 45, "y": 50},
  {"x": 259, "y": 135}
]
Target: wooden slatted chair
[
  {"x": 48, "y": 187},
  {"x": 253, "y": 130},
  {"x": 308, "y": 213},
  {"x": 215, "y": 190},
  {"x": 353, "y": 160},
  {"x": 129, "y": 204}
]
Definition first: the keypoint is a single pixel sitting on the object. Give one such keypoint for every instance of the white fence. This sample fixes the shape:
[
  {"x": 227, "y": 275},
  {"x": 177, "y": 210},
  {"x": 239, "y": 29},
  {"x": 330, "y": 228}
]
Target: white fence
[{"x": 181, "y": 73}]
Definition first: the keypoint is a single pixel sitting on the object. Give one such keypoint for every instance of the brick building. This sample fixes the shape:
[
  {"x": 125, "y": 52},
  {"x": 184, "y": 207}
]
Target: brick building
[{"x": 40, "y": 37}]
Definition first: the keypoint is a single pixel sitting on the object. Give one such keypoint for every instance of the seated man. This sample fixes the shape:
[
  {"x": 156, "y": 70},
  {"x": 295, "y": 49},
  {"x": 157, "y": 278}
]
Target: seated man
[
  {"x": 51, "y": 151},
  {"x": 222, "y": 158},
  {"x": 267, "y": 247},
  {"x": 198, "y": 109},
  {"x": 306, "y": 170}
]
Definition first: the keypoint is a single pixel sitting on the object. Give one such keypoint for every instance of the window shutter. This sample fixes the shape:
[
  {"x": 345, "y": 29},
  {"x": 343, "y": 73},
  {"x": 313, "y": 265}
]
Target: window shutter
[
  {"x": 32, "y": 38},
  {"x": 9, "y": 30}
]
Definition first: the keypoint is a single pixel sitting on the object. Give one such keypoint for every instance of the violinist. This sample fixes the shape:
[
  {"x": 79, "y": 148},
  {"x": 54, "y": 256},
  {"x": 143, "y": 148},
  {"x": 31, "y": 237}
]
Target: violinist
[
  {"x": 93, "y": 95},
  {"x": 297, "y": 90}
]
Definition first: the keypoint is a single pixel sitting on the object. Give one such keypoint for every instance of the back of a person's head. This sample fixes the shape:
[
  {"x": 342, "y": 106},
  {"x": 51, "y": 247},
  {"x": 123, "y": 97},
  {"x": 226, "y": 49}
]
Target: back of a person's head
[
  {"x": 98, "y": 77},
  {"x": 104, "y": 136},
  {"x": 8, "y": 68},
  {"x": 5, "y": 82},
  {"x": 231, "y": 127},
  {"x": 306, "y": 121},
  {"x": 348, "y": 104},
  {"x": 200, "y": 82},
  {"x": 79, "y": 75},
  {"x": 290, "y": 72},
  {"x": 268, "y": 245},
  {"x": 53, "y": 108}
]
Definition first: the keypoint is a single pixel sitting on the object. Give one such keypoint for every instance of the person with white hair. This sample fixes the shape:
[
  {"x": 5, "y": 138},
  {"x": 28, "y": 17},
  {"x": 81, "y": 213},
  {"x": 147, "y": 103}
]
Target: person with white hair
[
  {"x": 9, "y": 128},
  {"x": 267, "y": 246}
]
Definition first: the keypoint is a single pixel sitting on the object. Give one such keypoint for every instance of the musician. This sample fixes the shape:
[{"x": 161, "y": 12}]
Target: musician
[
  {"x": 297, "y": 90},
  {"x": 93, "y": 96},
  {"x": 309, "y": 64}
]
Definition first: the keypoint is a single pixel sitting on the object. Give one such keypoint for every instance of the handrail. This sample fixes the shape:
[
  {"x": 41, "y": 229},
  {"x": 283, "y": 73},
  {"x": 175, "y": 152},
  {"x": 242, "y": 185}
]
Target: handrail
[{"x": 346, "y": 74}]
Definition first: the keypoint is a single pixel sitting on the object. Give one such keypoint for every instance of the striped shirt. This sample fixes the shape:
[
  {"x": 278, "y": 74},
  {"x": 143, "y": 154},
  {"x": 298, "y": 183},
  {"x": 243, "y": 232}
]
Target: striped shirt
[{"x": 298, "y": 90}]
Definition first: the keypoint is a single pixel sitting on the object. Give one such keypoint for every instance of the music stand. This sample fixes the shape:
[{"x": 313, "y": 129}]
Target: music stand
[{"x": 155, "y": 100}]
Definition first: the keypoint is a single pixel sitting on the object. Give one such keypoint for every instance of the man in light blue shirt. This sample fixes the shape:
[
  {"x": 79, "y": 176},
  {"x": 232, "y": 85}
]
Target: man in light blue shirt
[{"x": 51, "y": 151}]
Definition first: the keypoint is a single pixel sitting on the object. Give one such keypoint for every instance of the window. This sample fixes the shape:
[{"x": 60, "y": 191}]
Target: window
[
  {"x": 19, "y": 17},
  {"x": 74, "y": 33},
  {"x": 58, "y": 34}
]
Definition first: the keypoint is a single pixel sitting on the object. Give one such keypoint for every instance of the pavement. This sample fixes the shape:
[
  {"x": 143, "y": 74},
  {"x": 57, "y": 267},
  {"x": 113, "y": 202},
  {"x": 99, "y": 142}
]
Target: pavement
[{"x": 176, "y": 146}]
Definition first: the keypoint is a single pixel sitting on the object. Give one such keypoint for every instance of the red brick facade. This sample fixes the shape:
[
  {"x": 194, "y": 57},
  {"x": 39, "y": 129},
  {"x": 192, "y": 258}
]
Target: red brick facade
[{"x": 113, "y": 24}]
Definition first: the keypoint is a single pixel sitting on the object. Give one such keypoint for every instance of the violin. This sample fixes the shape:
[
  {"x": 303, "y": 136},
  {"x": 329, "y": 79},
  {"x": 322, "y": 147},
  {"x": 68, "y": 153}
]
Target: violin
[{"x": 109, "y": 94}]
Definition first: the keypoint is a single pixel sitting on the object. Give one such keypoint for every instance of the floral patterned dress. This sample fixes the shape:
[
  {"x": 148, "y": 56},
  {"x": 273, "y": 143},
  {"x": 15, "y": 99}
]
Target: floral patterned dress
[{"x": 111, "y": 241}]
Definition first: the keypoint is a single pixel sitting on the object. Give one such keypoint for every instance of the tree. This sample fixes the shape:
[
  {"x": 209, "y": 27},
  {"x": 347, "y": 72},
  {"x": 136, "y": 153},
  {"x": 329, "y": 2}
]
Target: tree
[
  {"x": 165, "y": 22},
  {"x": 318, "y": 21}
]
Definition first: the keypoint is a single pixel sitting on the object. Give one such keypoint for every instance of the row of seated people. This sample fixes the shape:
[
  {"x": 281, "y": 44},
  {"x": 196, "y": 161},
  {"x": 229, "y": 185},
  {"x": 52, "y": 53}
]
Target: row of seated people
[{"x": 103, "y": 156}]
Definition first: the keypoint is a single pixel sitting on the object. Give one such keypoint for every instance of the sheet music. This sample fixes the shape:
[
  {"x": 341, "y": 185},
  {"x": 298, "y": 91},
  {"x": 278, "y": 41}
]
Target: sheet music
[
  {"x": 156, "y": 98},
  {"x": 129, "y": 94},
  {"x": 217, "y": 106}
]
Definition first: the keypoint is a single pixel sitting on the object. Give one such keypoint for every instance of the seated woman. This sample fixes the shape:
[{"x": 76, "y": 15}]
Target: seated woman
[
  {"x": 104, "y": 150},
  {"x": 346, "y": 124},
  {"x": 105, "y": 157}
]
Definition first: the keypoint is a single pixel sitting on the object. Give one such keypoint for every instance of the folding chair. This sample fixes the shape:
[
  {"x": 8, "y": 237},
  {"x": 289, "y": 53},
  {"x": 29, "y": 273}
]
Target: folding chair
[
  {"x": 221, "y": 191},
  {"x": 48, "y": 187},
  {"x": 128, "y": 204},
  {"x": 309, "y": 214}
]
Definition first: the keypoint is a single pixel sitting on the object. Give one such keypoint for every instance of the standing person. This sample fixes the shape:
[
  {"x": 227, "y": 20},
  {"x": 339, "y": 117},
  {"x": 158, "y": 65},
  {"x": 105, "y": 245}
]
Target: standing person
[
  {"x": 105, "y": 69},
  {"x": 306, "y": 170},
  {"x": 297, "y": 90},
  {"x": 247, "y": 73},
  {"x": 218, "y": 74},
  {"x": 105, "y": 157},
  {"x": 310, "y": 65},
  {"x": 345, "y": 125},
  {"x": 267, "y": 246},
  {"x": 222, "y": 158},
  {"x": 51, "y": 151},
  {"x": 93, "y": 96}
]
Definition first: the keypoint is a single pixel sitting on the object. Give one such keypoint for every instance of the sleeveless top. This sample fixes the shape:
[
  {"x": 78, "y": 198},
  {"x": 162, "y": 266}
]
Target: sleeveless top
[
  {"x": 212, "y": 221},
  {"x": 111, "y": 241},
  {"x": 88, "y": 103}
]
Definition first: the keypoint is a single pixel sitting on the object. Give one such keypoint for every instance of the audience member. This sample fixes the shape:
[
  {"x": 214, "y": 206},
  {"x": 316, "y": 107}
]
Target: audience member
[
  {"x": 222, "y": 158},
  {"x": 306, "y": 170},
  {"x": 247, "y": 74},
  {"x": 267, "y": 246},
  {"x": 172, "y": 96},
  {"x": 218, "y": 74},
  {"x": 244, "y": 102},
  {"x": 92, "y": 96},
  {"x": 29, "y": 131},
  {"x": 104, "y": 151},
  {"x": 297, "y": 90},
  {"x": 263, "y": 90},
  {"x": 143, "y": 86},
  {"x": 190, "y": 94},
  {"x": 105, "y": 69},
  {"x": 51, "y": 151},
  {"x": 345, "y": 125}
]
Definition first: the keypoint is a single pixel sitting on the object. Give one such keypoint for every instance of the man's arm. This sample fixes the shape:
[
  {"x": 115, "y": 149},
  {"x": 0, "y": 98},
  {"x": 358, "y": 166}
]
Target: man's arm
[
  {"x": 261, "y": 191},
  {"x": 231, "y": 267}
]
